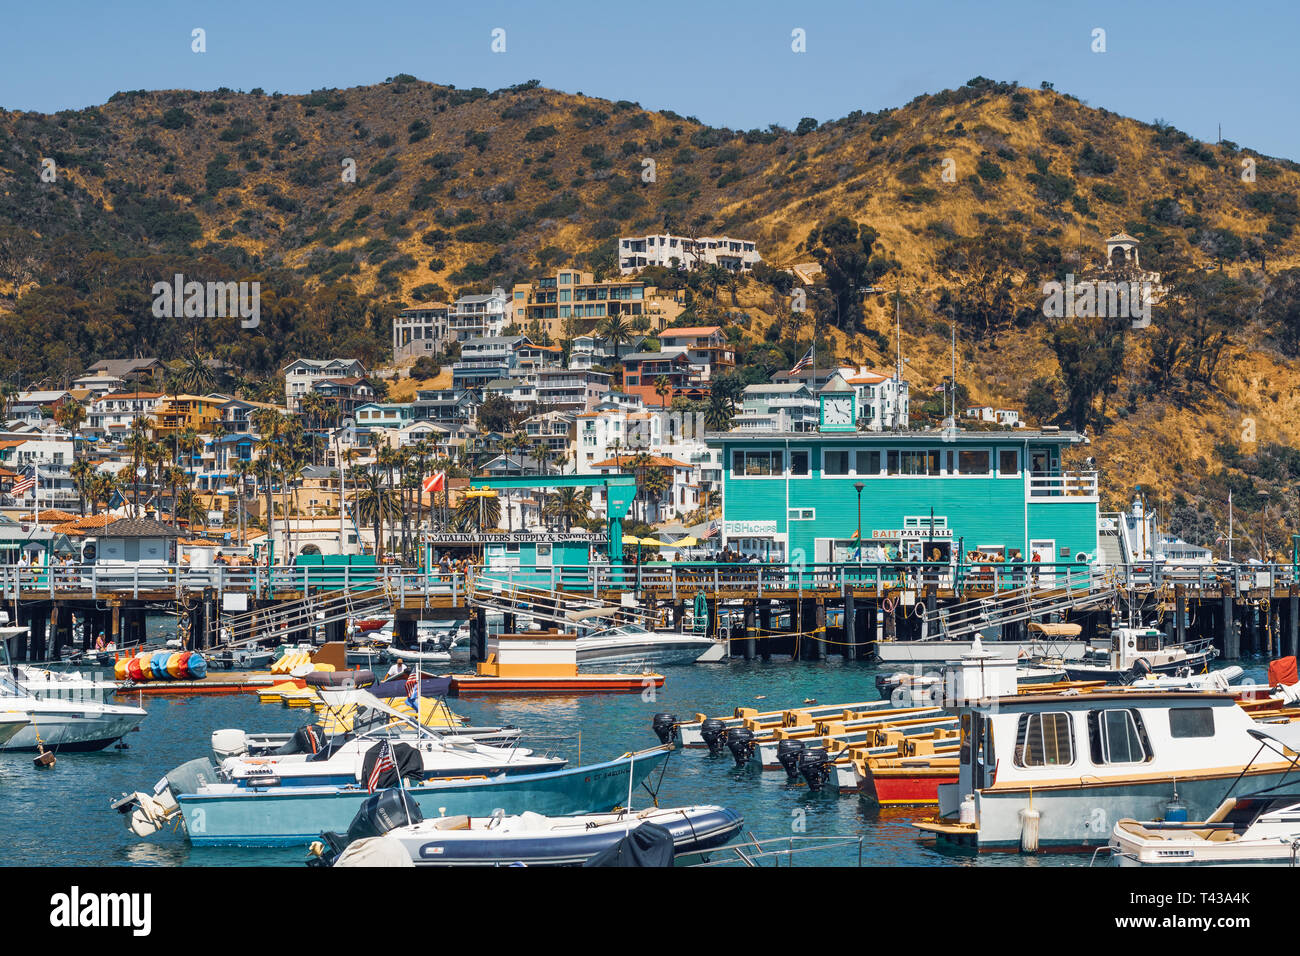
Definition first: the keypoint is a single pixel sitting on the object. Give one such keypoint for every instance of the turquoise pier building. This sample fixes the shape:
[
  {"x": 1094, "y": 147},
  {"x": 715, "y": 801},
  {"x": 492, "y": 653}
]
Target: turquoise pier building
[{"x": 844, "y": 495}]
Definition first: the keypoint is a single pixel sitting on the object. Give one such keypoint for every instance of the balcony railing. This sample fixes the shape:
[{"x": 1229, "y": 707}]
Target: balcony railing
[{"x": 1066, "y": 484}]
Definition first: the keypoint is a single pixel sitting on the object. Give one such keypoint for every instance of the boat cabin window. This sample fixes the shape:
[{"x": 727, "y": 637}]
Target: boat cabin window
[
  {"x": 1117, "y": 736},
  {"x": 1044, "y": 740},
  {"x": 1148, "y": 642},
  {"x": 1191, "y": 722}
]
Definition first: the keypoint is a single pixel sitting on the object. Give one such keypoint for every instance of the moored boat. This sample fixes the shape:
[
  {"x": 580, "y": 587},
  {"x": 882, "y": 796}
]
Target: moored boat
[
  {"x": 225, "y": 814},
  {"x": 1055, "y": 772},
  {"x": 537, "y": 840},
  {"x": 1255, "y": 829}
]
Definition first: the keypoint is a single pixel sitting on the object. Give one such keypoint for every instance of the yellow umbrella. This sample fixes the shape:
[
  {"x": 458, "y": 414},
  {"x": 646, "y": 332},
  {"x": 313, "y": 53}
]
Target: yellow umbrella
[
  {"x": 683, "y": 543},
  {"x": 643, "y": 542}
]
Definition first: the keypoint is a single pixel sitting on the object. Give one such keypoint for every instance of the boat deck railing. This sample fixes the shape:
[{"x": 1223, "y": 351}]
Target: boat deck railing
[{"x": 755, "y": 851}]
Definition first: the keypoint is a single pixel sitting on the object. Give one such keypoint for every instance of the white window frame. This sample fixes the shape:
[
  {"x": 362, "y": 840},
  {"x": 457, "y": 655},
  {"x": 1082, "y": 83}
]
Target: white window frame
[{"x": 1020, "y": 469}]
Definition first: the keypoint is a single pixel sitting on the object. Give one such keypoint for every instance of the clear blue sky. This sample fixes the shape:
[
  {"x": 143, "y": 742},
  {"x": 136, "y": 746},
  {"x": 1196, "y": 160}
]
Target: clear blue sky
[{"x": 1195, "y": 64}]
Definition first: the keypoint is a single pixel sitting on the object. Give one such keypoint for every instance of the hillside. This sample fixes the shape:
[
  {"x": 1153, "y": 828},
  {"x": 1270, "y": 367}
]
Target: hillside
[{"x": 457, "y": 190}]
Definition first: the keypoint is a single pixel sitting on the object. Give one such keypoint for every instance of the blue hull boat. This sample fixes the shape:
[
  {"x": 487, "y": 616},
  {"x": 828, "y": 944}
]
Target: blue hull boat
[{"x": 226, "y": 815}]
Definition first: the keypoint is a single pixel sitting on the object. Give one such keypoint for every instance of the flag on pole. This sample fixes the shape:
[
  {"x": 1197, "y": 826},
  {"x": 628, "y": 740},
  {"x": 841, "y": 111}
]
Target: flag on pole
[
  {"x": 804, "y": 362},
  {"x": 22, "y": 487},
  {"x": 855, "y": 535},
  {"x": 385, "y": 762},
  {"x": 435, "y": 482}
]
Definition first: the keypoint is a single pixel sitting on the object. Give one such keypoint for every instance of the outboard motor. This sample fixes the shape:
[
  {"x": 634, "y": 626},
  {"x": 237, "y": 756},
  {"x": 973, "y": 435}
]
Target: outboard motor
[
  {"x": 147, "y": 813},
  {"x": 379, "y": 813},
  {"x": 231, "y": 742},
  {"x": 740, "y": 742},
  {"x": 714, "y": 734},
  {"x": 815, "y": 765},
  {"x": 665, "y": 727},
  {"x": 787, "y": 755}
]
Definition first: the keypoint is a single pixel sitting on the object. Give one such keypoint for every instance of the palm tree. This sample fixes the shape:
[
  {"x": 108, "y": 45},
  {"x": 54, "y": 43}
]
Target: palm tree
[
  {"x": 136, "y": 444},
  {"x": 654, "y": 483},
  {"x": 374, "y": 503},
  {"x": 82, "y": 473},
  {"x": 614, "y": 328},
  {"x": 569, "y": 506},
  {"x": 719, "y": 413},
  {"x": 477, "y": 513},
  {"x": 663, "y": 388},
  {"x": 195, "y": 377}
]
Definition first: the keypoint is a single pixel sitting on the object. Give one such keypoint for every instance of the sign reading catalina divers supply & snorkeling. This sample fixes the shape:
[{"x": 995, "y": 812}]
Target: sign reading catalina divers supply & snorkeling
[{"x": 911, "y": 534}]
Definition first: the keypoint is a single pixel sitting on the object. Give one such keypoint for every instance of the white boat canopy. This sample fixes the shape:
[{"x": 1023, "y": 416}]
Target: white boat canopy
[
  {"x": 1288, "y": 735},
  {"x": 344, "y": 696}
]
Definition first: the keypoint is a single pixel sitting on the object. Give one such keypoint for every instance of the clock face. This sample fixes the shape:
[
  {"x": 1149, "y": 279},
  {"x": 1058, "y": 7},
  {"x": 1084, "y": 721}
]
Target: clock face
[{"x": 838, "y": 411}]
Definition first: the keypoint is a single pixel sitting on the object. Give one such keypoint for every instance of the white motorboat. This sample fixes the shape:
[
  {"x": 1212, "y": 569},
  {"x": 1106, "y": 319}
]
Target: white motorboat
[
  {"x": 630, "y": 643},
  {"x": 348, "y": 758},
  {"x": 1254, "y": 829},
  {"x": 537, "y": 840},
  {"x": 56, "y": 723}
]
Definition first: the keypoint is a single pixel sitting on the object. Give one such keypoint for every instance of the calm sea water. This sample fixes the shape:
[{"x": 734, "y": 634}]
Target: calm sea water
[{"x": 62, "y": 815}]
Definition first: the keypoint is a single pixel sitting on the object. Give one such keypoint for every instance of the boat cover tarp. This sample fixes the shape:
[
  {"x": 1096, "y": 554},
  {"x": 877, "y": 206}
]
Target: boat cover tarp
[
  {"x": 360, "y": 678},
  {"x": 375, "y": 851},
  {"x": 647, "y": 845},
  {"x": 405, "y": 756},
  {"x": 429, "y": 687},
  {"x": 1282, "y": 671}
]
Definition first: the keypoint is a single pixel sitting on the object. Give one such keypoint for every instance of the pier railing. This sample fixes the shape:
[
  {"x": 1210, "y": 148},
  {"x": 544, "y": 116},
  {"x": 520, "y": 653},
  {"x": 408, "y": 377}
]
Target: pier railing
[{"x": 669, "y": 579}]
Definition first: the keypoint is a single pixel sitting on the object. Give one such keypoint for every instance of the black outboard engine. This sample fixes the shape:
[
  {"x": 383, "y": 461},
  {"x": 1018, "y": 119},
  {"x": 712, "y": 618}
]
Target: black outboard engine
[
  {"x": 815, "y": 765},
  {"x": 665, "y": 727},
  {"x": 379, "y": 813},
  {"x": 1141, "y": 669},
  {"x": 787, "y": 755},
  {"x": 714, "y": 734},
  {"x": 740, "y": 742}
]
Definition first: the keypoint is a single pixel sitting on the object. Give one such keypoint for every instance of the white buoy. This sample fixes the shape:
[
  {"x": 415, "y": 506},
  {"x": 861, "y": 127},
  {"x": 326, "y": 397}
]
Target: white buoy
[
  {"x": 1029, "y": 818},
  {"x": 966, "y": 815}
]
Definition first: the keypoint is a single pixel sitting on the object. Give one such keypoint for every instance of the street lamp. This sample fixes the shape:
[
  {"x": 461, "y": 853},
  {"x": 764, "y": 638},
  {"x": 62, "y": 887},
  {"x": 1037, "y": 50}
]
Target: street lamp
[{"x": 858, "y": 486}]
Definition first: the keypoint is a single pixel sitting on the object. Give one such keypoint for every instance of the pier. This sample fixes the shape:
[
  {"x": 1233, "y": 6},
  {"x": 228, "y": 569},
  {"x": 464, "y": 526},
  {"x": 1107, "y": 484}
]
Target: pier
[{"x": 802, "y": 611}]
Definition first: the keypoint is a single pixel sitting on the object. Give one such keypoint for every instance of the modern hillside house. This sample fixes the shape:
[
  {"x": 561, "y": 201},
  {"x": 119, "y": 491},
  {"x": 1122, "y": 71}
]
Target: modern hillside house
[{"x": 793, "y": 495}]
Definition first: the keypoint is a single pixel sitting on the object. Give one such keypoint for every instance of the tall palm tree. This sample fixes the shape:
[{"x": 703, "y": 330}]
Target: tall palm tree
[
  {"x": 136, "y": 444},
  {"x": 663, "y": 388},
  {"x": 476, "y": 513},
  {"x": 615, "y": 329},
  {"x": 569, "y": 506},
  {"x": 82, "y": 473},
  {"x": 375, "y": 502},
  {"x": 194, "y": 377}
]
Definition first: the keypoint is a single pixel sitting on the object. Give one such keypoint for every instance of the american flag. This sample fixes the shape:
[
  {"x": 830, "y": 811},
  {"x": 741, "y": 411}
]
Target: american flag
[
  {"x": 23, "y": 486},
  {"x": 413, "y": 692},
  {"x": 385, "y": 762},
  {"x": 804, "y": 362}
]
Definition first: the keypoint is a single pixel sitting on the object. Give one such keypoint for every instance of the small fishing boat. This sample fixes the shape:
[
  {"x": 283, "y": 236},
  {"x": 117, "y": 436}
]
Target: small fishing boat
[
  {"x": 910, "y": 689},
  {"x": 224, "y": 814},
  {"x": 537, "y": 840},
  {"x": 1137, "y": 652},
  {"x": 543, "y": 662},
  {"x": 1255, "y": 829}
]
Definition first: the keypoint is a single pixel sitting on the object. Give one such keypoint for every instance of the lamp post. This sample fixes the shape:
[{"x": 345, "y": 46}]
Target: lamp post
[{"x": 858, "y": 486}]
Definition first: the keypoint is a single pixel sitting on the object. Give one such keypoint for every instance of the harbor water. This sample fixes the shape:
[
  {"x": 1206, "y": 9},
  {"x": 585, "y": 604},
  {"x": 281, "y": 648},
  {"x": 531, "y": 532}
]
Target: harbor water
[{"x": 61, "y": 816}]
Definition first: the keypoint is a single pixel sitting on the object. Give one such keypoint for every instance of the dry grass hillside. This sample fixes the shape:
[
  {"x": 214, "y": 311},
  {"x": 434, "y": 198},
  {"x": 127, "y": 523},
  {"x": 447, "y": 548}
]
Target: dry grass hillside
[{"x": 457, "y": 190}]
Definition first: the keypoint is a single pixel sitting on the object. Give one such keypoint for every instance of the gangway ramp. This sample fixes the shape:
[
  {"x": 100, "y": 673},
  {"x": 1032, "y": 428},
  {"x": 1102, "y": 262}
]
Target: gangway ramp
[{"x": 1079, "y": 591}]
